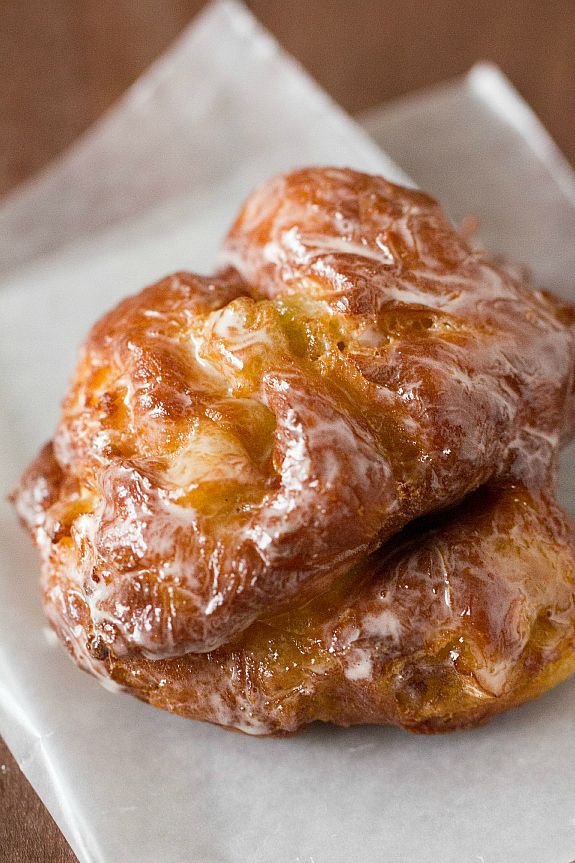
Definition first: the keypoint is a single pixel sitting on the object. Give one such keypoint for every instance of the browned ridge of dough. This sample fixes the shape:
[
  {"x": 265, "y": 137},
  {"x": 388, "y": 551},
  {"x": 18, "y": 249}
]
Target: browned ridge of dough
[{"x": 318, "y": 485}]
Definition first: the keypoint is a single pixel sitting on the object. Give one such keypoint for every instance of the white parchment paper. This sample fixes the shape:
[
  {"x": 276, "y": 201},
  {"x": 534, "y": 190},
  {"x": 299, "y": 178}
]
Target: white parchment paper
[
  {"x": 222, "y": 109},
  {"x": 150, "y": 191}
]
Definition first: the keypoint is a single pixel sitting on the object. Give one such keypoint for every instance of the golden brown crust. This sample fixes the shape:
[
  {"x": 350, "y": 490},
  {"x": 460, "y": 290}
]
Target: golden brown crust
[
  {"x": 449, "y": 626},
  {"x": 452, "y": 622},
  {"x": 232, "y": 447}
]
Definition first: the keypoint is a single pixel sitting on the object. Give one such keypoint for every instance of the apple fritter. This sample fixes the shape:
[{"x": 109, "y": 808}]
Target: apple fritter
[{"x": 234, "y": 450}]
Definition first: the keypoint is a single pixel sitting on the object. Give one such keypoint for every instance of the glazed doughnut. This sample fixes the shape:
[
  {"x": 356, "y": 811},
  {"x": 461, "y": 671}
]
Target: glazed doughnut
[
  {"x": 235, "y": 454},
  {"x": 450, "y": 624}
]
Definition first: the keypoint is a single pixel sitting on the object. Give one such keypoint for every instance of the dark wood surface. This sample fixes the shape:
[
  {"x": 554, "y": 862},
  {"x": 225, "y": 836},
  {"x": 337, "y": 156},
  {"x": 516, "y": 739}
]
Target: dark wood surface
[{"x": 63, "y": 62}]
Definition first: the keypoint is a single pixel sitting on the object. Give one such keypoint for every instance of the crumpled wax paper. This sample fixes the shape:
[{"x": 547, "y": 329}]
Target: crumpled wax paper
[{"x": 150, "y": 190}]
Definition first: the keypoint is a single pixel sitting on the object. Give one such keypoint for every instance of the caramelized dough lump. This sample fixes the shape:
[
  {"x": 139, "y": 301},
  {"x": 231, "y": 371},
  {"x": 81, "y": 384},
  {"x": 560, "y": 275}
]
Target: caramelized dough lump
[{"x": 318, "y": 485}]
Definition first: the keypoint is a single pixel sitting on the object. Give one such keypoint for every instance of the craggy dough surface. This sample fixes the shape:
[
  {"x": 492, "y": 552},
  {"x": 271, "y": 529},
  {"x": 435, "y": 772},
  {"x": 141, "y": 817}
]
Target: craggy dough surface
[{"x": 318, "y": 485}]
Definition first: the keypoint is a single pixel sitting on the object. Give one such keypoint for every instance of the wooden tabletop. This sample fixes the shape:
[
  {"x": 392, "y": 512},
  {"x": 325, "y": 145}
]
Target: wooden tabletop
[{"x": 63, "y": 62}]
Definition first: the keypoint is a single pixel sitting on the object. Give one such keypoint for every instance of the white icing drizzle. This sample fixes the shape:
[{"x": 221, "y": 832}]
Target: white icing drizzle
[{"x": 145, "y": 428}]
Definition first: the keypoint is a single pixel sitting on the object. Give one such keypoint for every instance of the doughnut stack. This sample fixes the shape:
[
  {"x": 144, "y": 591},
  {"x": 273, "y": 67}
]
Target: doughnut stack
[{"x": 319, "y": 485}]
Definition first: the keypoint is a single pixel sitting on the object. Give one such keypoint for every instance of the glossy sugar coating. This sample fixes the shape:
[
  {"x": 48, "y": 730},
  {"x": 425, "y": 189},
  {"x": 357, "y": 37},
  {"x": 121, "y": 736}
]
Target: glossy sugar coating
[
  {"x": 457, "y": 618},
  {"x": 232, "y": 449},
  {"x": 451, "y": 624}
]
